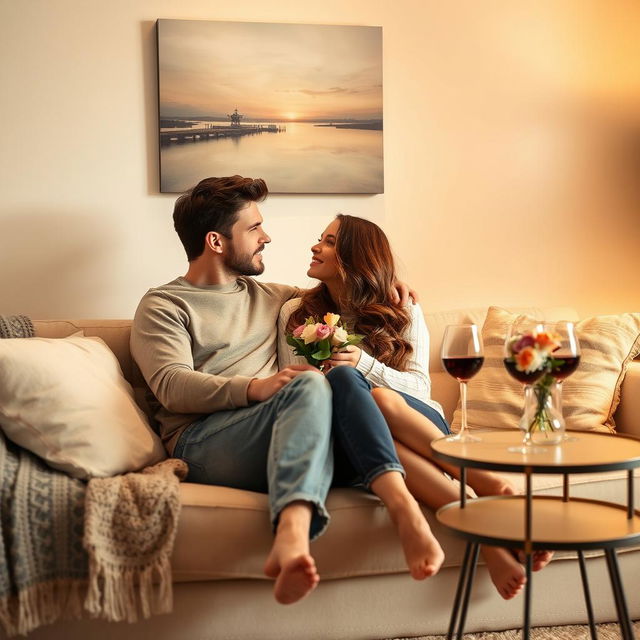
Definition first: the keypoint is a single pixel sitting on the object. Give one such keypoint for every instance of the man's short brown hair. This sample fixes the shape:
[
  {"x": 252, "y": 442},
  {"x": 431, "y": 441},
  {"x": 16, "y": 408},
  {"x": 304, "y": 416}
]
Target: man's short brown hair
[{"x": 213, "y": 205}]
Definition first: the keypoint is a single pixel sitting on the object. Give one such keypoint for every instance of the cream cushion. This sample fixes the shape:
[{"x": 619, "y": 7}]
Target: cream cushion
[
  {"x": 590, "y": 395},
  {"x": 67, "y": 401}
]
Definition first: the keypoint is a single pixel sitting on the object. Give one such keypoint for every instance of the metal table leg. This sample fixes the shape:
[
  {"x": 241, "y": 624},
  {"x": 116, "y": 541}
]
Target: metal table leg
[
  {"x": 526, "y": 629},
  {"x": 467, "y": 591},
  {"x": 626, "y": 629},
  {"x": 587, "y": 595},
  {"x": 528, "y": 550},
  {"x": 462, "y": 580}
]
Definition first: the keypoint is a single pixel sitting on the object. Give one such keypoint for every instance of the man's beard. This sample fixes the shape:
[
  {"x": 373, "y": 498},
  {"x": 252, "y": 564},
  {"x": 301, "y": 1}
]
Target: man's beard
[{"x": 243, "y": 264}]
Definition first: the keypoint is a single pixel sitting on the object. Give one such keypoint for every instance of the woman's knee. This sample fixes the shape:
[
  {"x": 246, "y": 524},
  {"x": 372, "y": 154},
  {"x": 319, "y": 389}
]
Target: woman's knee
[
  {"x": 388, "y": 401},
  {"x": 342, "y": 376}
]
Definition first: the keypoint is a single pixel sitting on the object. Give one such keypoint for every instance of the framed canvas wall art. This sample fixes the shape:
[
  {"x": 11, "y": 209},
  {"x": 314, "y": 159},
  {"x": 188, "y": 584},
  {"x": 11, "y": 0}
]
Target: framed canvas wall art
[{"x": 298, "y": 105}]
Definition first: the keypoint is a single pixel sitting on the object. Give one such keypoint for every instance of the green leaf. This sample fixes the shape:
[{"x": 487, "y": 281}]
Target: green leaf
[
  {"x": 323, "y": 350},
  {"x": 292, "y": 341},
  {"x": 313, "y": 362}
]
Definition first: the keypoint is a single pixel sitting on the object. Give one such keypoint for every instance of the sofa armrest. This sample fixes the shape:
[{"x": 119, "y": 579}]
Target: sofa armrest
[{"x": 627, "y": 415}]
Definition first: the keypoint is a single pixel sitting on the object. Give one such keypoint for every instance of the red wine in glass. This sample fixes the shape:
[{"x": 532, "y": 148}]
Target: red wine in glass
[
  {"x": 525, "y": 377},
  {"x": 568, "y": 364},
  {"x": 462, "y": 356},
  {"x": 463, "y": 369},
  {"x": 567, "y": 355}
]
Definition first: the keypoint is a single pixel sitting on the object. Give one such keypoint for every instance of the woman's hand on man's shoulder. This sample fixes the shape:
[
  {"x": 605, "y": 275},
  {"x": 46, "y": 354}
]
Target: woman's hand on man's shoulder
[{"x": 402, "y": 294}]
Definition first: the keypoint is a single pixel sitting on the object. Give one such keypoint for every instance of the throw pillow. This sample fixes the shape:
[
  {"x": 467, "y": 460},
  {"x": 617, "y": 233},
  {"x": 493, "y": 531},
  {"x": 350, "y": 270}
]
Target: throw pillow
[
  {"x": 65, "y": 399},
  {"x": 590, "y": 395}
]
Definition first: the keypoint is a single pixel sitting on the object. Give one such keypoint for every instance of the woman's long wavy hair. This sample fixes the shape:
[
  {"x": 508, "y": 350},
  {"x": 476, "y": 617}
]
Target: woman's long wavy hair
[{"x": 366, "y": 267}]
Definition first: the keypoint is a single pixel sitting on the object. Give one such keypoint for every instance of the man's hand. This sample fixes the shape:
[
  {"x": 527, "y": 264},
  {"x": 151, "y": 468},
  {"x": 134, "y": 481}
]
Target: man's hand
[
  {"x": 260, "y": 389},
  {"x": 401, "y": 293},
  {"x": 347, "y": 357}
]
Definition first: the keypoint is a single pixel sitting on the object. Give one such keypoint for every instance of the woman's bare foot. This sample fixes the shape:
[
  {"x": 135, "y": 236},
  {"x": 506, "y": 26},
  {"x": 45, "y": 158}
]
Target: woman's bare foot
[
  {"x": 541, "y": 558},
  {"x": 487, "y": 483},
  {"x": 291, "y": 564},
  {"x": 422, "y": 551},
  {"x": 507, "y": 574}
]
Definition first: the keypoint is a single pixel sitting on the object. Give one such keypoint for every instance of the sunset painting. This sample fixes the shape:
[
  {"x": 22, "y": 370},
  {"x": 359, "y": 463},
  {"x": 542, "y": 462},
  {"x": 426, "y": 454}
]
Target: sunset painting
[{"x": 297, "y": 105}]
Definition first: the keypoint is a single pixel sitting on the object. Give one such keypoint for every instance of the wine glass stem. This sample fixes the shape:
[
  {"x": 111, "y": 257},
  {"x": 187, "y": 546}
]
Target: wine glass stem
[
  {"x": 559, "y": 392},
  {"x": 463, "y": 403},
  {"x": 527, "y": 417}
]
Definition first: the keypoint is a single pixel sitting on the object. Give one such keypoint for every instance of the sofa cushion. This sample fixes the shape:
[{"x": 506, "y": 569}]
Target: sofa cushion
[
  {"x": 590, "y": 395},
  {"x": 66, "y": 401},
  {"x": 226, "y": 533}
]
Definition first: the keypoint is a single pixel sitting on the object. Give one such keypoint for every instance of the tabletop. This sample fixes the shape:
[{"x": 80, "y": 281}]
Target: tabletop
[{"x": 581, "y": 452}]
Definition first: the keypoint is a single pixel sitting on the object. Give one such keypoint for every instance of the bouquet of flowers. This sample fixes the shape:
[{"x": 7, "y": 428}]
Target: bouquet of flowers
[
  {"x": 315, "y": 341},
  {"x": 531, "y": 352}
]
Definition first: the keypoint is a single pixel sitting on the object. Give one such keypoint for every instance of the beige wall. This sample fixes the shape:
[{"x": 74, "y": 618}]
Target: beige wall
[{"x": 512, "y": 152}]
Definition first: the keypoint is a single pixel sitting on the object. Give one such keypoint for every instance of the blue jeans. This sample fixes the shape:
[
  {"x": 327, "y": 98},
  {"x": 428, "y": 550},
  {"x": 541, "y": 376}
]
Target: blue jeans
[
  {"x": 363, "y": 444},
  {"x": 427, "y": 412},
  {"x": 281, "y": 446},
  {"x": 363, "y": 447}
]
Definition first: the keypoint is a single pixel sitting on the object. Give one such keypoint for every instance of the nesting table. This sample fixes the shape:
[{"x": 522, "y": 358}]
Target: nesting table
[{"x": 531, "y": 522}]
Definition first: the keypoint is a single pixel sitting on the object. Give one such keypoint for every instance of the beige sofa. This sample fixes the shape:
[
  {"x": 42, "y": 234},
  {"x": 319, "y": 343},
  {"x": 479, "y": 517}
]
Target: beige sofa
[{"x": 220, "y": 591}]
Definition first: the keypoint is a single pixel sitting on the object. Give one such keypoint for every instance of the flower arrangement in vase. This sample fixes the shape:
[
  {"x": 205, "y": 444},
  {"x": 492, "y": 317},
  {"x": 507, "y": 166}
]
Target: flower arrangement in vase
[{"x": 529, "y": 358}]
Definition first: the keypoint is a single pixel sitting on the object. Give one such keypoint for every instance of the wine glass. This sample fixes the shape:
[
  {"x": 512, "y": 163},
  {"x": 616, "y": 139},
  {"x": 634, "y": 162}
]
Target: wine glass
[
  {"x": 462, "y": 358},
  {"x": 566, "y": 357},
  {"x": 518, "y": 335}
]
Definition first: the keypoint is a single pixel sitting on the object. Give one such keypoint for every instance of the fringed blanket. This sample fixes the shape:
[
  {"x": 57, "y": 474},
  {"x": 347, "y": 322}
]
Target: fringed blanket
[
  {"x": 67, "y": 548},
  {"x": 130, "y": 526},
  {"x": 43, "y": 567}
]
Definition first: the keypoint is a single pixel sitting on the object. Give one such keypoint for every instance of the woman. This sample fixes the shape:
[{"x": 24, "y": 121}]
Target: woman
[{"x": 387, "y": 381}]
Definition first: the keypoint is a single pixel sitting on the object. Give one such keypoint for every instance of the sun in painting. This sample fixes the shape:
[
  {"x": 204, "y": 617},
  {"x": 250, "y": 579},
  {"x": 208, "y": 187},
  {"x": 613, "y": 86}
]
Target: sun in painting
[{"x": 291, "y": 115}]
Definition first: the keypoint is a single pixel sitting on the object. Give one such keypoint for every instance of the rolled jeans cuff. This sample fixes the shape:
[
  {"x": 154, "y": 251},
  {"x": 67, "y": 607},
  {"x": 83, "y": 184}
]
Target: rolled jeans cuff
[
  {"x": 384, "y": 468},
  {"x": 319, "y": 517}
]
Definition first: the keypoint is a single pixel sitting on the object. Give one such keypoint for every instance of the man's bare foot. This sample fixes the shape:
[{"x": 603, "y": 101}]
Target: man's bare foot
[
  {"x": 541, "y": 558},
  {"x": 507, "y": 574},
  {"x": 292, "y": 566},
  {"x": 487, "y": 483},
  {"x": 422, "y": 551}
]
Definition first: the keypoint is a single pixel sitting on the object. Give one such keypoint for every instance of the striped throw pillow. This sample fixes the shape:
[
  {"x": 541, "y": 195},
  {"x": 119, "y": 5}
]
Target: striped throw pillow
[{"x": 590, "y": 395}]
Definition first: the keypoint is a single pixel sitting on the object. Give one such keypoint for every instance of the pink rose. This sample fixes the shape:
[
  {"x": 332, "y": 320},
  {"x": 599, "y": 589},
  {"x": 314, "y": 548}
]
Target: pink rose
[
  {"x": 527, "y": 340},
  {"x": 323, "y": 331},
  {"x": 297, "y": 332}
]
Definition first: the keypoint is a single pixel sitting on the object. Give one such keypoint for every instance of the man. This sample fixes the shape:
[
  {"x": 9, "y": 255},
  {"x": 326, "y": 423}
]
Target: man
[{"x": 206, "y": 345}]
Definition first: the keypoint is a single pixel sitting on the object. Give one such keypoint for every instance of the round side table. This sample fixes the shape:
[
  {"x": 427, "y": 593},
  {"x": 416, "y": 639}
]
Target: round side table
[{"x": 531, "y": 522}]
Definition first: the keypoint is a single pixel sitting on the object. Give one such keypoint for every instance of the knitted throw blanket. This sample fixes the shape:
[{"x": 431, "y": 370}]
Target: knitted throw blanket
[
  {"x": 43, "y": 567},
  {"x": 67, "y": 548},
  {"x": 130, "y": 526}
]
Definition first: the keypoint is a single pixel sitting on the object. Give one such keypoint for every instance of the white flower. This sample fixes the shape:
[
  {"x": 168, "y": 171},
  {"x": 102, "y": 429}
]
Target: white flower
[{"x": 339, "y": 336}]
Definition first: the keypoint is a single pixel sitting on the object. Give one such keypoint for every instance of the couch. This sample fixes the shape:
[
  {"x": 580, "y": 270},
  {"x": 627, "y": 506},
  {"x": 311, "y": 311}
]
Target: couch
[{"x": 365, "y": 591}]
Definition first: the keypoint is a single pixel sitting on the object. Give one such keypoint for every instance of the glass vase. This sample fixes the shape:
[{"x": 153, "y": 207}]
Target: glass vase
[{"x": 542, "y": 417}]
